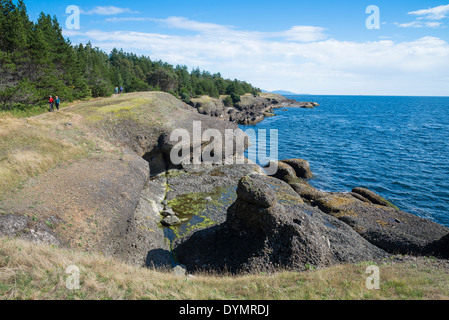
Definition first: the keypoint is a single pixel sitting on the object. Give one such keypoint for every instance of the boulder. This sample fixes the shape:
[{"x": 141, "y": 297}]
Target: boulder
[
  {"x": 393, "y": 230},
  {"x": 301, "y": 167},
  {"x": 284, "y": 171},
  {"x": 372, "y": 197},
  {"x": 257, "y": 192},
  {"x": 269, "y": 227},
  {"x": 168, "y": 212},
  {"x": 306, "y": 191},
  {"x": 171, "y": 221}
]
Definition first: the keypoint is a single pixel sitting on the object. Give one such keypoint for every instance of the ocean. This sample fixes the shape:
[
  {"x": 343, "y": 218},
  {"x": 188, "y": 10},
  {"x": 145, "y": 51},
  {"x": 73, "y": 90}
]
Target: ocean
[{"x": 397, "y": 147}]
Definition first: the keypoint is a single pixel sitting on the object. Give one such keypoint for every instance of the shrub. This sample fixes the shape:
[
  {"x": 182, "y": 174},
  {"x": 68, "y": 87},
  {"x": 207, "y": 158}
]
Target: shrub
[{"x": 235, "y": 98}]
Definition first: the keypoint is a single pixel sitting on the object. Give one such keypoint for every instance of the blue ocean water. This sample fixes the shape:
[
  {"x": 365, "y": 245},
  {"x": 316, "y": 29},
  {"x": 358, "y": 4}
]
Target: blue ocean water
[{"x": 395, "y": 146}]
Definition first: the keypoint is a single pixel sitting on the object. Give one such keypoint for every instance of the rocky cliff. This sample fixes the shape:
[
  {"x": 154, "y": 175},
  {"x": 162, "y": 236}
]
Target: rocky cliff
[{"x": 250, "y": 110}]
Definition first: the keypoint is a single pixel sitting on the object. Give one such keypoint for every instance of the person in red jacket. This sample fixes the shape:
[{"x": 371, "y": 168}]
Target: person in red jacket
[{"x": 51, "y": 101}]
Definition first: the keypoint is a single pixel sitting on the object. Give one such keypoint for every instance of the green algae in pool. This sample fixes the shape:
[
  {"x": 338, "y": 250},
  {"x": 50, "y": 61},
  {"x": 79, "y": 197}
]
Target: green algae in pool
[{"x": 198, "y": 211}]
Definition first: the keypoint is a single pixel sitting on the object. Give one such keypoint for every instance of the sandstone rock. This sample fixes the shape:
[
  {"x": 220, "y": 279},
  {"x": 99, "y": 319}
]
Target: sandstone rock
[
  {"x": 308, "y": 105},
  {"x": 388, "y": 228},
  {"x": 171, "y": 221},
  {"x": 373, "y": 197},
  {"x": 168, "y": 212},
  {"x": 284, "y": 171},
  {"x": 269, "y": 229},
  {"x": 306, "y": 191},
  {"x": 11, "y": 224},
  {"x": 255, "y": 191},
  {"x": 301, "y": 168}
]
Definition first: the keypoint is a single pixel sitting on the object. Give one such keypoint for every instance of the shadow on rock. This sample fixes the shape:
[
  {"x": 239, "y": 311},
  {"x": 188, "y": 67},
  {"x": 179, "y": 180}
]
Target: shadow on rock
[{"x": 158, "y": 259}]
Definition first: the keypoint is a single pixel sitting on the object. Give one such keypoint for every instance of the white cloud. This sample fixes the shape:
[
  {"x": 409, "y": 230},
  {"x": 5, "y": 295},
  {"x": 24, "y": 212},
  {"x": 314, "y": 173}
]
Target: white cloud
[
  {"x": 108, "y": 11},
  {"x": 432, "y": 14},
  {"x": 420, "y": 24},
  {"x": 436, "y": 13},
  {"x": 304, "y": 34},
  {"x": 296, "y": 33},
  {"x": 301, "y": 59},
  {"x": 128, "y": 19},
  {"x": 187, "y": 24}
]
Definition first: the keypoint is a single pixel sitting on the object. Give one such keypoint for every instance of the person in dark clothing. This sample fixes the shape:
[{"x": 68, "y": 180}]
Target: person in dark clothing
[
  {"x": 57, "y": 102},
  {"x": 121, "y": 90},
  {"x": 51, "y": 101}
]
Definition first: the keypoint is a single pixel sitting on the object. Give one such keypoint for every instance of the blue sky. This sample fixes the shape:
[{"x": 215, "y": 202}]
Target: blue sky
[{"x": 317, "y": 47}]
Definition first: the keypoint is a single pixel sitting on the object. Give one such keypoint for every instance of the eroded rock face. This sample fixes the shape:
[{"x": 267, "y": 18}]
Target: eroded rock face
[
  {"x": 292, "y": 170},
  {"x": 371, "y": 197},
  {"x": 249, "y": 111},
  {"x": 388, "y": 228},
  {"x": 268, "y": 227},
  {"x": 440, "y": 247},
  {"x": 306, "y": 191},
  {"x": 301, "y": 168},
  {"x": 284, "y": 172},
  {"x": 376, "y": 219}
]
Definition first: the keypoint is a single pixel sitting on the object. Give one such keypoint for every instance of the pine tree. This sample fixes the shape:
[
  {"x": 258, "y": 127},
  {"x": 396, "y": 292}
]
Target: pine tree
[{"x": 36, "y": 61}]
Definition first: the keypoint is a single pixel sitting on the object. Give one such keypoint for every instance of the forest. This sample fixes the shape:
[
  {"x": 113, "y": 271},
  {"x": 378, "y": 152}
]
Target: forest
[{"x": 36, "y": 61}]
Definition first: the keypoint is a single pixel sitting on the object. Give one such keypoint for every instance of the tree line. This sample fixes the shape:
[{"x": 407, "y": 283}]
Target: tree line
[{"x": 37, "y": 61}]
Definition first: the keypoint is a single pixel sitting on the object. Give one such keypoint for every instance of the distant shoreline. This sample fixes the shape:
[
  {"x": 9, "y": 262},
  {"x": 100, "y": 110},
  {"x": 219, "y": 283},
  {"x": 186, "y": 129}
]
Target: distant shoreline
[{"x": 349, "y": 95}]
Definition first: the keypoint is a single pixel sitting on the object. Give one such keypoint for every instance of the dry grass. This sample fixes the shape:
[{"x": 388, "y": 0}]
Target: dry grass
[
  {"x": 30, "y": 147},
  {"x": 30, "y": 271}
]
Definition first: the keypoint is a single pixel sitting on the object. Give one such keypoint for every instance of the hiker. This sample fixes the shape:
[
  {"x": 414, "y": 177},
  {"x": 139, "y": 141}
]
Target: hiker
[
  {"x": 51, "y": 101},
  {"x": 116, "y": 90},
  {"x": 121, "y": 89},
  {"x": 57, "y": 102}
]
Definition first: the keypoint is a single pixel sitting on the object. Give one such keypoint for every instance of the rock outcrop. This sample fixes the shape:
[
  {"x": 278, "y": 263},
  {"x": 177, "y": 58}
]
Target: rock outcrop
[
  {"x": 374, "y": 218},
  {"x": 277, "y": 230},
  {"x": 308, "y": 105},
  {"x": 249, "y": 111},
  {"x": 301, "y": 167},
  {"x": 384, "y": 226}
]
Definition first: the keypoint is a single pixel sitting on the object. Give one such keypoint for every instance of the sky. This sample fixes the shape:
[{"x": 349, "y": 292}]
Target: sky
[{"x": 308, "y": 47}]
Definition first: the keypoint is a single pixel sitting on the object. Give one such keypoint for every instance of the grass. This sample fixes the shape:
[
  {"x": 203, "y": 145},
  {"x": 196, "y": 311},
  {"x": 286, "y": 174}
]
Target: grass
[
  {"x": 33, "y": 145},
  {"x": 29, "y": 147},
  {"x": 30, "y": 271},
  {"x": 25, "y": 112}
]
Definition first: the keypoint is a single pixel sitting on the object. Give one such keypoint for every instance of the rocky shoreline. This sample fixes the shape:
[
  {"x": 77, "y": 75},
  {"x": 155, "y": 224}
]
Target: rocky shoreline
[
  {"x": 229, "y": 217},
  {"x": 250, "y": 110}
]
